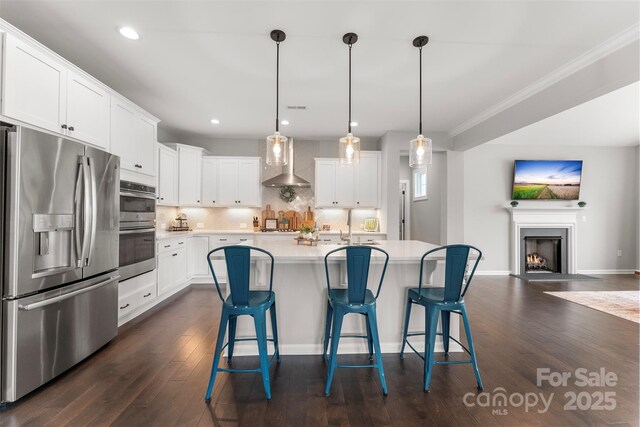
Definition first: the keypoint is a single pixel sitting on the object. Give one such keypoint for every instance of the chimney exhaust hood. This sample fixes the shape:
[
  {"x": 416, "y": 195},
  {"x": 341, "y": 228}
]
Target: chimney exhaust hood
[{"x": 287, "y": 177}]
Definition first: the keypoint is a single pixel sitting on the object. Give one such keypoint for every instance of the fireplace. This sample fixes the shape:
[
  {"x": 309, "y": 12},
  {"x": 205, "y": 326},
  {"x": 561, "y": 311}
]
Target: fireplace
[{"x": 543, "y": 250}]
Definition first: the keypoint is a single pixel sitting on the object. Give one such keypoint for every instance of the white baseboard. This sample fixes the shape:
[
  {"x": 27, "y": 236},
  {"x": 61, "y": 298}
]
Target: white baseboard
[
  {"x": 631, "y": 271},
  {"x": 493, "y": 272}
]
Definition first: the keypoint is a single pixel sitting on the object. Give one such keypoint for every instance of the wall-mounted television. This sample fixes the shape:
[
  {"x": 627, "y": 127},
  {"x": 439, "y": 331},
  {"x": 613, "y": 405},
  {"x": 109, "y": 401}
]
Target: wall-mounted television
[{"x": 547, "y": 179}]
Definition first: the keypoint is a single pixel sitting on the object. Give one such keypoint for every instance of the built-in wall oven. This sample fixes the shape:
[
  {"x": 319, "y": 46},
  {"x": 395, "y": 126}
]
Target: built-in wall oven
[{"x": 137, "y": 229}]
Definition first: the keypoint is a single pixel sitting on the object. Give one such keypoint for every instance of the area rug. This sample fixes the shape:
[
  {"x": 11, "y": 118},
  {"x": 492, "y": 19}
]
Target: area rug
[{"x": 625, "y": 304}]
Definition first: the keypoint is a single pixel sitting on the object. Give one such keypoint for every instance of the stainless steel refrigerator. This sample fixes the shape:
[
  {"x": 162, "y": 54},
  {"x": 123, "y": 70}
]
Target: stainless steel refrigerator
[{"x": 59, "y": 234}]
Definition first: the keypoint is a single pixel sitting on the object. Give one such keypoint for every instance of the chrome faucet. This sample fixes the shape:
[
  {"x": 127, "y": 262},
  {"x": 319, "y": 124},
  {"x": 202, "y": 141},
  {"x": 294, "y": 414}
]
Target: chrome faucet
[{"x": 349, "y": 237}]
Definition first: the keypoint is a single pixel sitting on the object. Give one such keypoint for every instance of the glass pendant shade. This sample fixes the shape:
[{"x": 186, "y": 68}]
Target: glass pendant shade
[
  {"x": 277, "y": 150},
  {"x": 420, "y": 152},
  {"x": 349, "y": 150}
]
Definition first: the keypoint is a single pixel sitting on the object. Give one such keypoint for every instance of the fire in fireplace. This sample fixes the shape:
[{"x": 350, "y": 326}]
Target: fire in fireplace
[{"x": 542, "y": 254}]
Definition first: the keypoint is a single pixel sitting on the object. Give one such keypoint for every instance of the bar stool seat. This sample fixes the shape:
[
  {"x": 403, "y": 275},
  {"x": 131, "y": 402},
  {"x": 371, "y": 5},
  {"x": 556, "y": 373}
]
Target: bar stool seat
[
  {"x": 256, "y": 299},
  {"x": 433, "y": 295},
  {"x": 341, "y": 296}
]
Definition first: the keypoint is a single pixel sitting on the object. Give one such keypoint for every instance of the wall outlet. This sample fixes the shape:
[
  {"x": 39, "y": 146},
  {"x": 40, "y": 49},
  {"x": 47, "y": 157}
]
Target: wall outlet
[
  {"x": 200, "y": 225},
  {"x": 243, "y": 225},
  {"x": 584, "y": 218},
  {"x": 619, "y": 252},
  {"x": 163, "y": 226}
]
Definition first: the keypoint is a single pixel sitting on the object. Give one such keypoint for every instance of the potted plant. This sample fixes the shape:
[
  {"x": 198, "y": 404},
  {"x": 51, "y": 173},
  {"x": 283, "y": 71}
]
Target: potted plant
[
  {"x": 582, "y": 204},
  {"x": 514, "y": 203}
]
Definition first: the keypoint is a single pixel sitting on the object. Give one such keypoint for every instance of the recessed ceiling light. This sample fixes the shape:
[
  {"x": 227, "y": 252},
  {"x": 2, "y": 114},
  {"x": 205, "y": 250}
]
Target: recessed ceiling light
[
  {"x": 285, "y": 122},
  {"x": 354, "y": 124},
  {"x": 129, "y": 33},
  {"x": 215, "y": 121}
]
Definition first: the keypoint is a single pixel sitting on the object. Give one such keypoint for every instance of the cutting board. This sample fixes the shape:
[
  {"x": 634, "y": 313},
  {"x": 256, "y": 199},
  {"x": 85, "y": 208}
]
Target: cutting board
[
  {"x": 268, "y": 213},
  {"x": 294, "y": 218},
  {"x": 308, "y": 215}
]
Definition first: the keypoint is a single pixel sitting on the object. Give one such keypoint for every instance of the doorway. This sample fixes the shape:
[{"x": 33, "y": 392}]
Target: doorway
[{"x": 404, "y": 225}]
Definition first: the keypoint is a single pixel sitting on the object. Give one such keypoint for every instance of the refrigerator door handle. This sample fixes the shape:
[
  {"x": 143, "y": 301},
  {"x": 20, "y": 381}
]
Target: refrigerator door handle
[
  {"x": 94, "y": 209},
  {"x": 86, "y": 214},
  {"x": 79, "y": 219},
  {"x": 59, "y": 298}
]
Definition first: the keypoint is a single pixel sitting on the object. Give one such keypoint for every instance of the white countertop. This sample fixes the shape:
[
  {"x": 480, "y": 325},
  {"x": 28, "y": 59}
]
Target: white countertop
[
  {"x": 400, "y": 251},
  {"x": 162, "y": 235}
]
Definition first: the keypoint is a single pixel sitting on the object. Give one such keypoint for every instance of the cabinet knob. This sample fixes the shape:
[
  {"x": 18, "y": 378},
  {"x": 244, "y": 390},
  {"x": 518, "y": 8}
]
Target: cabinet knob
[
  {"x": 174, "y": 255},
  {"x": 214, "y": 201},
  {"x": 71, "y": 128},
  {"x": 198, "y": 201},
  {"x": 63, "y": 126},
  {"x": 358, "y": 202},
  {"x": 161, "y": 198}
]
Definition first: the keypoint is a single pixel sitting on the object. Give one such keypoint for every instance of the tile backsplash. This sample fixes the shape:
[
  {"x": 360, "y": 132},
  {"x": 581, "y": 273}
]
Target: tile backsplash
[{"x": 231, "y": 218}]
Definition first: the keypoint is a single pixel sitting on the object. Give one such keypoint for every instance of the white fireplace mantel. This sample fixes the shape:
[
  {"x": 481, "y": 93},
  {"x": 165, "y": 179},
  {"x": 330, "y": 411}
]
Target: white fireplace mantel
[{"x": 545, "y": 217}]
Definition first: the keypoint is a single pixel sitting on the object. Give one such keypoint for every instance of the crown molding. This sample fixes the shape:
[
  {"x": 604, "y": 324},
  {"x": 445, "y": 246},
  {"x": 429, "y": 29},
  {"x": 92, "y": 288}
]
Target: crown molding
[{"x": 611, "y": 45}]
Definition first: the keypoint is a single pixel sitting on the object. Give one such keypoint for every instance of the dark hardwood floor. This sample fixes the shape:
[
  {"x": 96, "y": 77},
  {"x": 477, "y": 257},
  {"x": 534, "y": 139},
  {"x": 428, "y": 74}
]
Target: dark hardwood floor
[{"x": 156, "y": 371}]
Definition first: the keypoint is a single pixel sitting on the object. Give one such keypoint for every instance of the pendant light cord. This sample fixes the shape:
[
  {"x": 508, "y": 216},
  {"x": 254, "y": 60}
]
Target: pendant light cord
[
  {"x": 277, "y": 86},
  {"x": 349, "y": 127},
  {"x": 420, "y": 130}
]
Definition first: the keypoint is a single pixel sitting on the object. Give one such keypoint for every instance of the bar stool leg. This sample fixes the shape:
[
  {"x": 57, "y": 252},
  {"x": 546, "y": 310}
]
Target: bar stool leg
[
  {"x": 407, "y": 316},
  {"x": 472, "y": 351},
  {"x": 233, "y": 320},
  {"x": 261, "y": 333},
  {"x": 446, "y": 321},
  {"x": 327, "y": 329},
  {"x": 431, "y": 318},
  {"x": 369, "y": 338},
  {"x": 274, "y": 329},
  {"x": 372, "y": 322},
  {"x": 216, "y": 357},
  {"x": 338, "y": 315}
]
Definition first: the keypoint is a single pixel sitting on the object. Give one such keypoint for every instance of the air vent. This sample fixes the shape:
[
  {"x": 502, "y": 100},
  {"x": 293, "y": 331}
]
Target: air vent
[{"x": 296, "y": 107}]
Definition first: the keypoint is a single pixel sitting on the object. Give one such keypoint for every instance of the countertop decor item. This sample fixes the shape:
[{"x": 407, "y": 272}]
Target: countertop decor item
[
  {"x": 582, "y": 204},
  {"x": 371, "y": 224},
  {"x": 287, "y": 194},
  {"x": 514, "y": 203},
  {"x": 271, "y": 224},
  {"x": 420, "y": 149},
  {"x": 277, "y": 145},
  {"x": 349, "y": 146}
]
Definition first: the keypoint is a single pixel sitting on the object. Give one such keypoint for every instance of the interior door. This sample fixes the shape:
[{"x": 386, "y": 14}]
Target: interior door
[{"x": 105, "y": 171}]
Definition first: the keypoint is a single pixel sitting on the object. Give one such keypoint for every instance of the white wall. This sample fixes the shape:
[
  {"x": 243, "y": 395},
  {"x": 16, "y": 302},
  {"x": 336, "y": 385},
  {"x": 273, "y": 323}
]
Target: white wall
[
  {"x": 426, "y": 215},
  {"x": 638, "y": 223},
  {"x": 609, "y": 186}
]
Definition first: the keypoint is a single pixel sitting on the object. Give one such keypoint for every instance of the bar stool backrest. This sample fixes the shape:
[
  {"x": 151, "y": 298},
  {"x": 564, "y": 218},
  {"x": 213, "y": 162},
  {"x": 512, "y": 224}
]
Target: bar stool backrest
[
  {"x": 456, "y": 279},
  {"x": 358, "y": 261},
  {"x": 238, "y": 261}
]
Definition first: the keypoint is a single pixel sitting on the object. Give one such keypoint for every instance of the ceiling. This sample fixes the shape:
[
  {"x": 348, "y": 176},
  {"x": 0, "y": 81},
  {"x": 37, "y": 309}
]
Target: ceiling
[
  {"x": 199, "y": 60},
  {"x": 609, "y": 120}
]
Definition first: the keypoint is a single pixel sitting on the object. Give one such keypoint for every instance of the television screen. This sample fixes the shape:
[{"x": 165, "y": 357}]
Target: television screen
[{"x": 547, "y": 179}]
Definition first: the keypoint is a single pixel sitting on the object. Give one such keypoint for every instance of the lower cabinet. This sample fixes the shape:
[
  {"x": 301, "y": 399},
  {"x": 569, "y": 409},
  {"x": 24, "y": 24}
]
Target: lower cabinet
[
  {"x": 172, "y": 265},
  {"x": 135, "y": 293},
  {"x": 197, "y": 250}
]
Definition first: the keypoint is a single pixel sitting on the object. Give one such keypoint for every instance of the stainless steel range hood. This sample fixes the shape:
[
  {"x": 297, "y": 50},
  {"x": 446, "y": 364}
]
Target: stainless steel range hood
[{"x": 287, "y": 177}]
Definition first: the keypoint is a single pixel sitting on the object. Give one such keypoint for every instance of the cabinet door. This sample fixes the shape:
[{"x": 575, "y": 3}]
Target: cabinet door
[
  {"x": 189, "y": 176},
  {"x": 249, "y": 182},
  {"x": 87, "y": 111},
  {"x": 165, "y": 272},
  {"x": 179, "y": 266},
  {"x": 367, "y": 181},
  {"x": 167, "y": 176},
  {"x": 34, "y": 86},
  {"x": 145, "y": 146},
  {"x": 228, "y": 178},
  {"x": 325, "y": 183},
  {"x": 197, "y": 249},
  {"x": 210, "y": 182},
  {"x": 123, "y": 133},
  {"x": 345, "y": 175}
]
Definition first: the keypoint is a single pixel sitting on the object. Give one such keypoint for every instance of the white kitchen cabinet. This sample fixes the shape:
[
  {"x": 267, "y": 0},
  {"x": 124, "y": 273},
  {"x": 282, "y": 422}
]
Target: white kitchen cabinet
[
  {"x": 189, "y": 175},
  {"x": 88, "y": 108},
  {"x": 197, "y": 250},
  {"x": 134, "y": 293},
  {"x": 210, "y": 184},
  {"x": 172, "y": 267},
  {"x": 334, "y": 184},
  {"x": 367, "y": 180},
  {"x": 40, "y": 90},
  {"x": 343, "y": 186},
  {"x": 34, "y": 85},
  {"x": 167, "y": 176},
  {"x": 133, "y": 138},
  {"x": 239, "y": 182}
]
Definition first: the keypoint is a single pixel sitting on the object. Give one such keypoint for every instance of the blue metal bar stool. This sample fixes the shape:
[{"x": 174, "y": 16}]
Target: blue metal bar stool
[
  {"x": 443, "y": 301},
  {"x": 243, "y": 301},
  {"x": 355, "y": 299}
]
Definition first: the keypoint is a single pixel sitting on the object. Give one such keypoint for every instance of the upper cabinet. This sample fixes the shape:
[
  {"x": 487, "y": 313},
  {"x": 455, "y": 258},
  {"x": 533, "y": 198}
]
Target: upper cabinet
[
  {"x": 189, "y": 175},
  {"x": 40, "y": 90},
  {"x": 210, "y": 167},
  {"x": 239, "y": 182},
  {"x": 357, "y": 186},
  {"x": 133, "y": 138},
  {"x": 167, "y": 176}
]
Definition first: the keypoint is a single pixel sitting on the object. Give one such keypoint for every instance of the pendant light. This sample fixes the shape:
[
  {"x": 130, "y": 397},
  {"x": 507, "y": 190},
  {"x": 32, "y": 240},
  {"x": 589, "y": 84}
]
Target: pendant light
[
  {"x": 349, "y": 145},
  {"x": 277, "y": 145},
  {"x": 420, "y": 149}
]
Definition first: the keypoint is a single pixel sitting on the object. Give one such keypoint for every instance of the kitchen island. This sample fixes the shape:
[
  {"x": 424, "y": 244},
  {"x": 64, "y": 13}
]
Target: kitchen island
[{"x": 301, "y": 296}]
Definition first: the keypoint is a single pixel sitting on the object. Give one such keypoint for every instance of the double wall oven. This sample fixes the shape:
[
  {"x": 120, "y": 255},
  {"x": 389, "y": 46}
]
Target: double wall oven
[{"x": 137, "y": 229}]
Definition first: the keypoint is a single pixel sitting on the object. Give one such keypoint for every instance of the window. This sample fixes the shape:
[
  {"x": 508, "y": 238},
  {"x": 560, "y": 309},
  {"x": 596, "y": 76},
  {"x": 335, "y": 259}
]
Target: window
[{"x": 420, "y": 184}]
